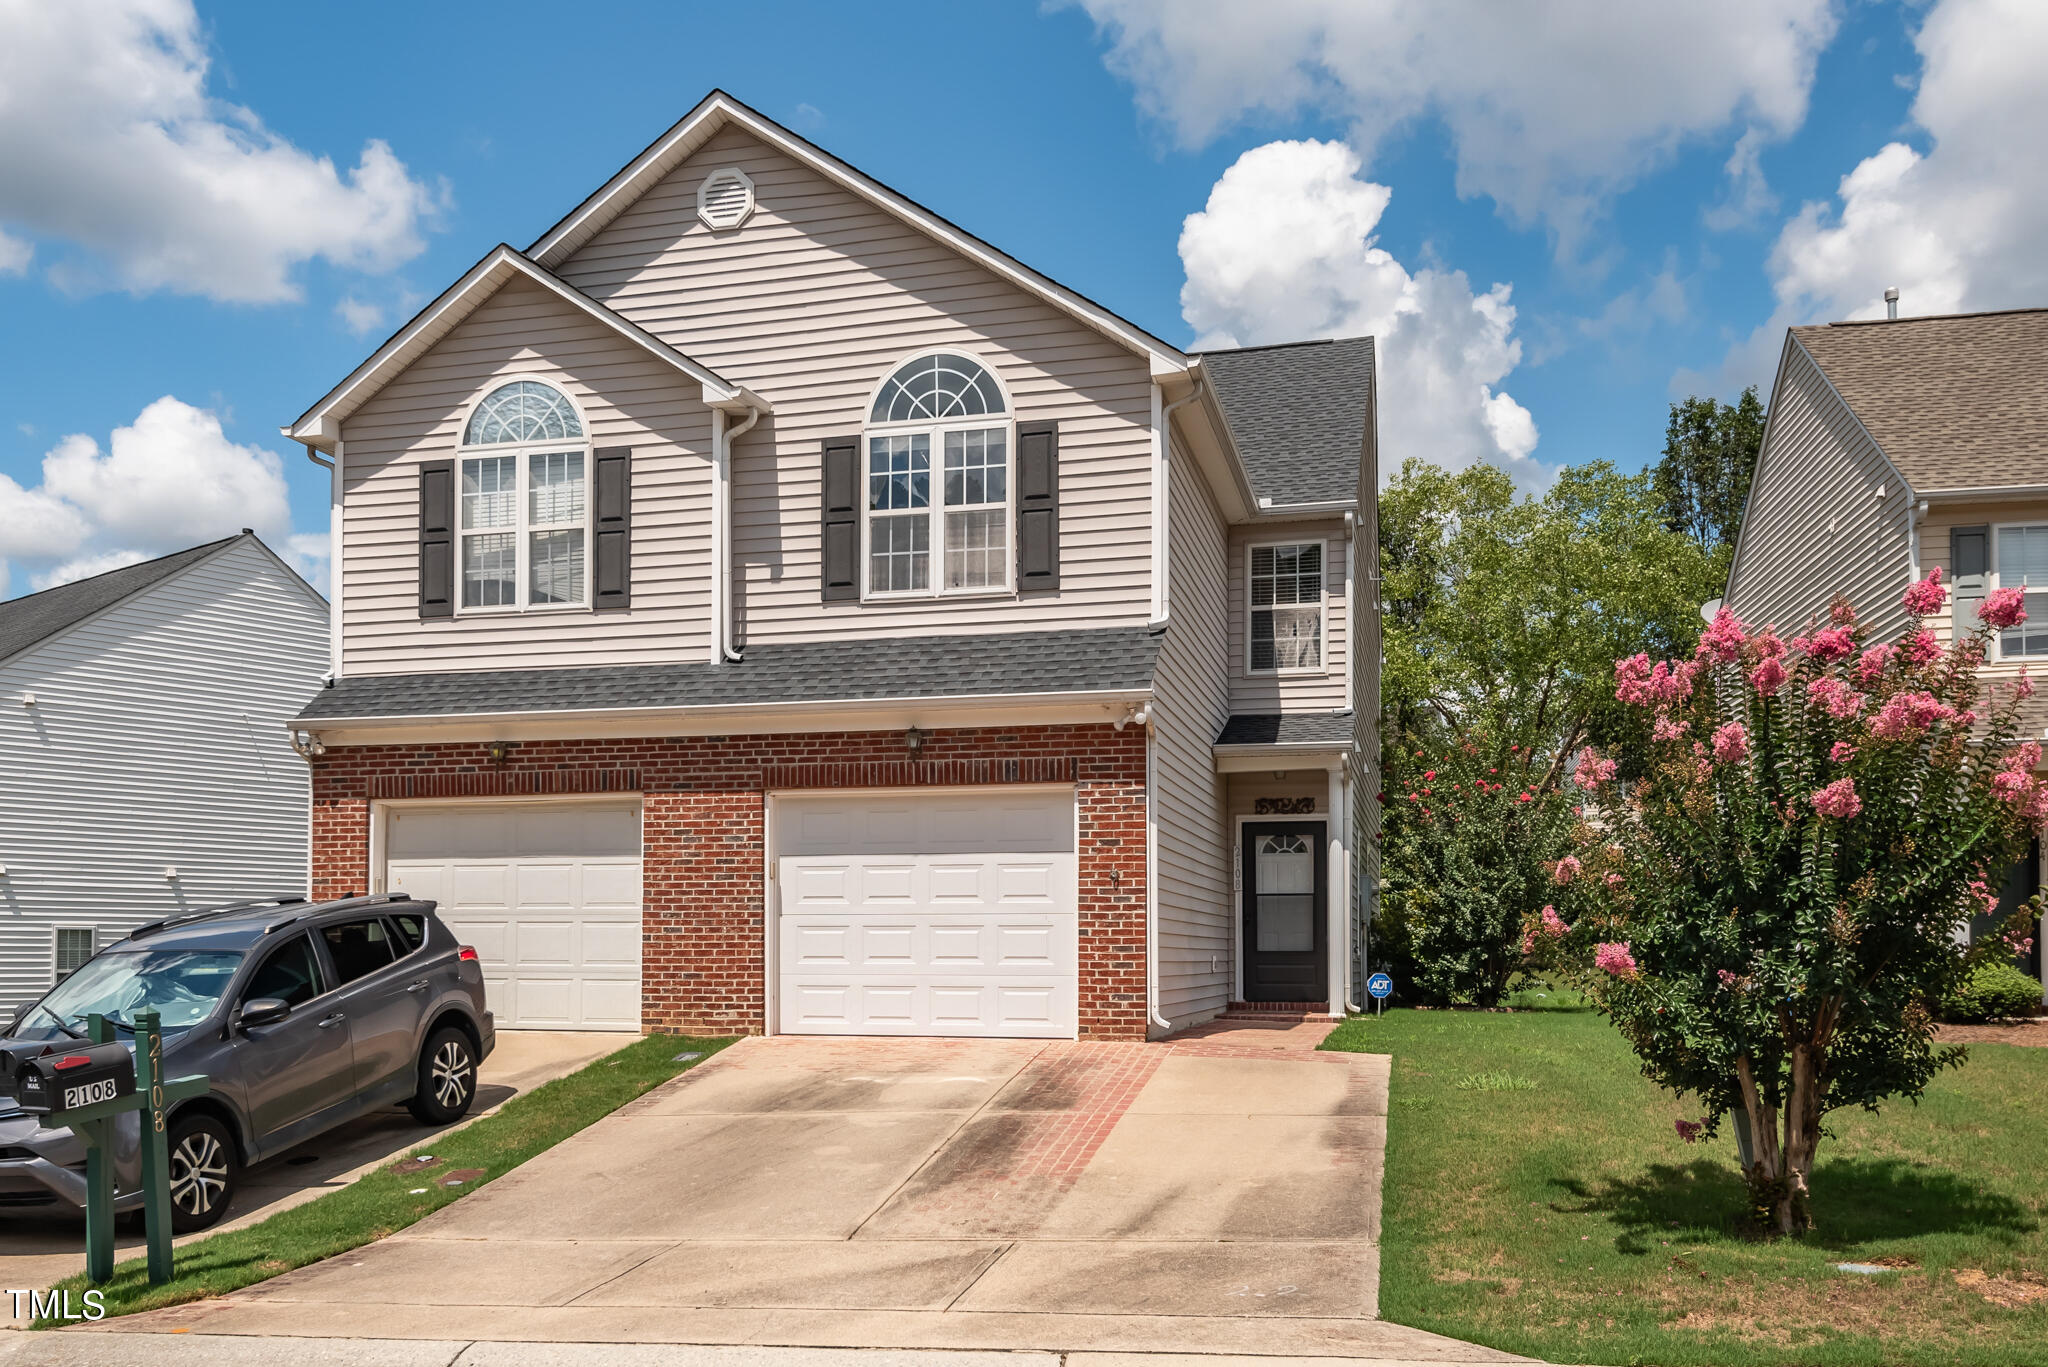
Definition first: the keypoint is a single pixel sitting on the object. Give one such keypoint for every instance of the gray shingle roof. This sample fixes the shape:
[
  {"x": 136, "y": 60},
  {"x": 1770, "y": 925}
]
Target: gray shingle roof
[
  {"x": 1301, "y": 415},
  {"x": 1957, "y": 402},
  {"x": 1287, "y": 728},
  {"x": 36, "y": 617},
  {"x": 825, "y": 671}
]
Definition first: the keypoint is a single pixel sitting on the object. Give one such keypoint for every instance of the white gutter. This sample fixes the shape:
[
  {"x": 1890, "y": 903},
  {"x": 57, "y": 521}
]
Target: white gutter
[
  {"x": 333, "y": 468},
  {"x": 1272, "y": 511},
  {"x": 722, "y": 439},
  {"x": 1352, "y": 635},
  {"x": 1162, "y": 500},
  {"x": 1987, "y": 491}
]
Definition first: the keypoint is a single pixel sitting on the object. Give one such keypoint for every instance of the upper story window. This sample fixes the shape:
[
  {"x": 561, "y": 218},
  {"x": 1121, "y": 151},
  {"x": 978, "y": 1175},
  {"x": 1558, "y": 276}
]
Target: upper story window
[
  {"x": 2023, "y": 564},
  {"x": 524, "y": 510},
  {"x": 946, "y": 408},
  {"x": 1286, "y": 601}
]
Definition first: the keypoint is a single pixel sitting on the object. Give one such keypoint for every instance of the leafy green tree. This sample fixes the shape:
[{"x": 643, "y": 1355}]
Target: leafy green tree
[
  {"x": 1702, "y": 481},
  {"x": 1769, "y": 910}
]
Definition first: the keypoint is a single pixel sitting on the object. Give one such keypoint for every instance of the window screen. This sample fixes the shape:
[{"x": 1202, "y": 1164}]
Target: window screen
[{"x": 75, "y": 945}]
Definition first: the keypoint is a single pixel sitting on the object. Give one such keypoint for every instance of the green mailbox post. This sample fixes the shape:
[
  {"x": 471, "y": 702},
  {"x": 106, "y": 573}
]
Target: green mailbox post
[{"x": 94, "y": 1122}]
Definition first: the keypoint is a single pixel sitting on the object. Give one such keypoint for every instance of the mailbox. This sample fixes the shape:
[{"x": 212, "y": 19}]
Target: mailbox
[{"x": 68, "y": 1079}]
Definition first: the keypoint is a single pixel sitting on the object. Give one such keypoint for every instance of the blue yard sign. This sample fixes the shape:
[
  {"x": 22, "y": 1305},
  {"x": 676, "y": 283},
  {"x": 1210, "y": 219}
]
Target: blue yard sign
[{"x": 1379, "y": 987}]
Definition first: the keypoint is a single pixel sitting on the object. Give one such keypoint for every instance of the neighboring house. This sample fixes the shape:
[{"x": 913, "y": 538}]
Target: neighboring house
[
  {"x": 763, "y": 606},
  {"x": 144, "y": 769},
  {"x": 1894, "y": 448}
]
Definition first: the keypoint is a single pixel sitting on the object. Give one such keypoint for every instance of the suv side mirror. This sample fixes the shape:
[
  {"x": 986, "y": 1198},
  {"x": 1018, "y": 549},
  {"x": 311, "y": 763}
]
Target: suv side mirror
[{"x": 263, "y": 1011}]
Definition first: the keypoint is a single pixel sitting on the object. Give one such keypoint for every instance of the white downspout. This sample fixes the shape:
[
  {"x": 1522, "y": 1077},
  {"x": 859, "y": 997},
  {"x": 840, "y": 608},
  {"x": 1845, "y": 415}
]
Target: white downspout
[
  {"x": 723, "y": 438},
  {"x": 1352, "y": 634},
  {"x": 1162, "y": 500},
  {"x": 1339, "y": 986},
  {"x": 1914, "y": 513},
  {"x": 333, "y": 468},
  {"x": 1153, "y": 1018}
]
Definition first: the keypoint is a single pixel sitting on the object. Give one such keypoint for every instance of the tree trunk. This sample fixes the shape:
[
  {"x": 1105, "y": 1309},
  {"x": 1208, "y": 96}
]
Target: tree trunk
[{"x": 1783, "y": 1156}]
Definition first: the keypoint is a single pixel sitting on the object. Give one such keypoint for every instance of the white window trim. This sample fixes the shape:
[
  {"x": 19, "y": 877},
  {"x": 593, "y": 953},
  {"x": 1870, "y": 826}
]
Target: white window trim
[
  {"x": 521, "y": 528},
  {"x": 57, "y": 934},
  {"x": 1992, "y": 581},
  {"x": 1322, "y": 668},
  {"x": 935, "y": 504}
]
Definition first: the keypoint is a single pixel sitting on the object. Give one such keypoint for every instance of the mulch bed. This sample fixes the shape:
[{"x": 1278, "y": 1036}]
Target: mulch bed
[{"x": 2033, "y": 1032}]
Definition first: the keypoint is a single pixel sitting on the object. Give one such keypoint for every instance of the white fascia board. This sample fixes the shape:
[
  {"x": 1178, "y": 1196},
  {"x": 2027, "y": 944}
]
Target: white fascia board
[
  {"x": 320, "y": 425},
  {"x": 1247, "y": 759},
  {"x": 1282, "y": 512},
  {"x": 1044, "y": 709},
  {"x": 718, "y": 109}
]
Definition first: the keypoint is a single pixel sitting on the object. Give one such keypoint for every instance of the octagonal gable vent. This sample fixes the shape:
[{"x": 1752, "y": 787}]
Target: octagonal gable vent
[{"x": 725, "y": 198}]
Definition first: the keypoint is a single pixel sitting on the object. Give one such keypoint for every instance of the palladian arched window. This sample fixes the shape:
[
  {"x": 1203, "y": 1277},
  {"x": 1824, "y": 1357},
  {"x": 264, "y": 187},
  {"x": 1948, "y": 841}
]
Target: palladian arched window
[
  {"x": 938, "y": 474},
  {"x": 524, "y": 509}
]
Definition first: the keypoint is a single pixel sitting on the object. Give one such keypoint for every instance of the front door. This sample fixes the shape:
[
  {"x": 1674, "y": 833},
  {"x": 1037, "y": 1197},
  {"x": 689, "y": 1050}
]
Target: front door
[{"x": 1286, "y": 898}]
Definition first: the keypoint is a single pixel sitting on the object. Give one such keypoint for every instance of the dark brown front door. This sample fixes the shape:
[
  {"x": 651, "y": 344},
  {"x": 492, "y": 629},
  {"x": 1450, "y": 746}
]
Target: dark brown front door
[{"x": 1286, "y": 885}]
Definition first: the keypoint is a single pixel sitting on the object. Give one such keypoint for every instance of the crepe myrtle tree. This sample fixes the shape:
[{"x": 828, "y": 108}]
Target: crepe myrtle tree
[
  {"x": 1472, "y": 832},
  {"x": 1770, "y": 912}
]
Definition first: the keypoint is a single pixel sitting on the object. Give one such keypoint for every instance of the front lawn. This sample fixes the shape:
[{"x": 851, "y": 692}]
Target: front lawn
[
  {"x": 384, "y": 1201},
  {"x": 1538, "y": 1200}
]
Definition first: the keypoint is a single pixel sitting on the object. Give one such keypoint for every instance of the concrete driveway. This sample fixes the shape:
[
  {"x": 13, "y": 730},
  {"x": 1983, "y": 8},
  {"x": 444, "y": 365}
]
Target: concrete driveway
[
  {"x": 1214, "y": 1194},
  {"x": 40, "y": 1246}
]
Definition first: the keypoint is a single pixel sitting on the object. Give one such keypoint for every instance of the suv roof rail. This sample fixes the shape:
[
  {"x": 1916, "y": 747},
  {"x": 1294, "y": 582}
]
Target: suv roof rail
[{"x": 185, "y": 918}]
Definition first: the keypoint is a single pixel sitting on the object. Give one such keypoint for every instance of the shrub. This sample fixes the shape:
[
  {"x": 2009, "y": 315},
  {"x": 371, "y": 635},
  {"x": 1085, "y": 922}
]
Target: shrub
[
  {"x": 1766, "y": 913},
  {"x": 1991, "y": 991}
]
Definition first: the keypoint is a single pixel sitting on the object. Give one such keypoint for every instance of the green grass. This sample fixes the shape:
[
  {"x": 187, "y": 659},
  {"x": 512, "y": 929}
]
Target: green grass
[
  {"x": 1567, "y": 1221},
  {"x": 382, "y": 1202}
]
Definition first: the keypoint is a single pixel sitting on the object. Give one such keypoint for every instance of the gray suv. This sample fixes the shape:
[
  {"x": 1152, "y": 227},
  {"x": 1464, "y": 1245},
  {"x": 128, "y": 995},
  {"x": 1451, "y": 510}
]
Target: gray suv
[{"x": 304, "y": 1015}]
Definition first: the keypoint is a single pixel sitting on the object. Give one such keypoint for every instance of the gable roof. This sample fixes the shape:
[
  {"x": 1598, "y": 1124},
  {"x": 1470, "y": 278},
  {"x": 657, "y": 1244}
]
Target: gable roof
[
  {"x": 719, "y": 110},
  {"x": 1300, "y": 415},
  {"x": 1956, "y": 401},
  {"x": 36, "y": 617},
  {"x": 320, "y": 425}
]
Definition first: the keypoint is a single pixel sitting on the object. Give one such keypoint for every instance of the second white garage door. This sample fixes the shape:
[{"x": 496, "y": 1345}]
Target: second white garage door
[
  {"x": 932, "y": 914},
  {"x": 547, "y": 893}
]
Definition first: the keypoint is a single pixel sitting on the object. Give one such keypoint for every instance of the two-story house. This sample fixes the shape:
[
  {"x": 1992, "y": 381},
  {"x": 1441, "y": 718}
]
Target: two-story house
[
  {"x": 762, "y": 605},
  {"x": 1899, "y": 446}
]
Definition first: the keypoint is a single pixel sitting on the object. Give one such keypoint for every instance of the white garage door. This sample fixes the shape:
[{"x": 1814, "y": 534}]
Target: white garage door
[
  {"x": 949, "y": 914},
  {"x": 549, "y": 895}
]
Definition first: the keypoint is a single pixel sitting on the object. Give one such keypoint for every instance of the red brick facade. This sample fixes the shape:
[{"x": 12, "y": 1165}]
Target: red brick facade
[{"x": 703, "y": 804}]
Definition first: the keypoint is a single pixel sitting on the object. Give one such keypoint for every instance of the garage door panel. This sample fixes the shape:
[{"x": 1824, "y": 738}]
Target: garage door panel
[
  {"x": 946, "y": 914},
  {"x": 547, "y": 894}
]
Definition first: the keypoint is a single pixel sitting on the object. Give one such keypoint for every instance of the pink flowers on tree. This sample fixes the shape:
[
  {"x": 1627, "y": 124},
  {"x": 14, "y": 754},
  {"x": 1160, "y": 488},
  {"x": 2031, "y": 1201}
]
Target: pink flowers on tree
[
  {"x": 1613, "y": 959},
  {"x": 1838, "y": 799},
  {"x": 2004, "y": 608},
  {"x": 1927, "y": 597},
  {"x": 1591, "y": 771},
  {"x": 1731, "y": 742}
]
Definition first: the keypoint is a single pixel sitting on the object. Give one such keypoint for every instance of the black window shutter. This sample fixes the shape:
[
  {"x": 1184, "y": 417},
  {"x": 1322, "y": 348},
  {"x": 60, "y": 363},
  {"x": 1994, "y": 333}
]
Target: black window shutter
[
  {"x": 1969, "y": 564},
  {"x": 1038, "y": 506},
  {"x": 839, "y": 516},
  {"x": 437, "y": 538},
  {"x": 612, "y": 500}
]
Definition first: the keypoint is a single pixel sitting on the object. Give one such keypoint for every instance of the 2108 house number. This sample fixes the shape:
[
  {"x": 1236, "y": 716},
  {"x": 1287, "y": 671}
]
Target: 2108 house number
[{"x": 86, "y": 1093}]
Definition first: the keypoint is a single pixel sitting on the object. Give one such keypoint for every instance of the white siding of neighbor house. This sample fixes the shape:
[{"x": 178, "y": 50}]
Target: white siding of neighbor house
[
  {"x": 1190, "y": 704},
  {"x": 1322, "y": 690},
  {"x": 156, "y": 740},
  {"x": 810, "y": 303},
  {"x": 1826, "y": 514},
  {"x": 628, "y": 398}
]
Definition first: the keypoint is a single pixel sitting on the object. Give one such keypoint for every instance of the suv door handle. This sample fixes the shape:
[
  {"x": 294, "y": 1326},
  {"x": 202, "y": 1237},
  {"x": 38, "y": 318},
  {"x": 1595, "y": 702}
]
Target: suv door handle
[
  {"x": 419, "y": 985},
  {"x": 331, "y": 1021}
]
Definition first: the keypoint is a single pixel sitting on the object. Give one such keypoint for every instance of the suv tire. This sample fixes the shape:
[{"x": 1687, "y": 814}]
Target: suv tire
[
  {"x": 204, "y": 1169},
  {"x": 447, "y": 1074}
]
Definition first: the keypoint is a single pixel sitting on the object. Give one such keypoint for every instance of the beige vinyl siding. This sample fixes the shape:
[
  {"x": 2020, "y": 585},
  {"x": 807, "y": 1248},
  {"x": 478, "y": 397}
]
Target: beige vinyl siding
[
  {"x": 1319, "y": 691},
  {"x": 1827, "y": 514},
  {"x": 810, "y": 303},
  {"x": 1190, "y": 702},
  {"x": 1935, "y": 553},
  {"x": 157, "y": 741},
  {"x": 628, "y": 398}
]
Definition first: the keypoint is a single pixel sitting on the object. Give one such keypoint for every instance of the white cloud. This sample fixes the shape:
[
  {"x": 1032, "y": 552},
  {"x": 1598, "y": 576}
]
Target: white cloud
[
  {"x": 359, "y": 316},
  {"x": 168, "y": 480},
  {"x": 1285, "y": 250},
  {"x": 1550, "y": 107},
  {"x": 311, "y": 555},
  {"x": 14, "y": 255},
  {"x": 1956, "y": 227},
  {"x": 109, "y": 142}
]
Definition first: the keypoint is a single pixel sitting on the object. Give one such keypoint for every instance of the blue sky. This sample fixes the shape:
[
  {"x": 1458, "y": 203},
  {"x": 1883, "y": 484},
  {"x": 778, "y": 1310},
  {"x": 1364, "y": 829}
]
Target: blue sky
[{"x": 1378, "y": 163}]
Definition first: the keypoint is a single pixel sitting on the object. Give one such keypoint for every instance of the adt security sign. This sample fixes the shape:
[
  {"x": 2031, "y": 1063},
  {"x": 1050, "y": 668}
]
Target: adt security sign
[{"x": 1379, "y": 987}]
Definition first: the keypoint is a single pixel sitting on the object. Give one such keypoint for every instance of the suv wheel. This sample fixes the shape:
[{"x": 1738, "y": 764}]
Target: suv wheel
[
  {"x": 203, "y": 1171},
  {"x": 447, "y": 1083}
]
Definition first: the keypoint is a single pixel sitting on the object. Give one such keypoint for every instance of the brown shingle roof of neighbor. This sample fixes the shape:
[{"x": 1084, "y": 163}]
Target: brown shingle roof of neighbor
[{"x": 1958, "y": 401}]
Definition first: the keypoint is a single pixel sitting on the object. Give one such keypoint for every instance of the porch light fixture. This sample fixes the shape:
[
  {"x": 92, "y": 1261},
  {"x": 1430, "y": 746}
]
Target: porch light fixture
[
  {"x": 914, "y": 738},
  {"x": 499, "y": 751}
]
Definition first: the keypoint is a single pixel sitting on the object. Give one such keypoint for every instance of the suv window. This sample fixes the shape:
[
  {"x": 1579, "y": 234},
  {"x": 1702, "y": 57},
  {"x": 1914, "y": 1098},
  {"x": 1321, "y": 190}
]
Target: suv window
[
  {"x": 412, "y": 931},
  {"x": 357, "y": 947},
  {"x": 291, "y": 974}
]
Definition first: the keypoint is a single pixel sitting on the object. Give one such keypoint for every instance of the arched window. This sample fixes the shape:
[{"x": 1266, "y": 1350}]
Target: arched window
[
  {"x": 524, "y": 510},
  {"x": 949, "y": 406}
]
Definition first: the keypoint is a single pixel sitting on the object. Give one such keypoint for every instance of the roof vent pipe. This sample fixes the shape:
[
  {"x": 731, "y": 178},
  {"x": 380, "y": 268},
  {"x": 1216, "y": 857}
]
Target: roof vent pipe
[{"x": 1891, "y": 303}]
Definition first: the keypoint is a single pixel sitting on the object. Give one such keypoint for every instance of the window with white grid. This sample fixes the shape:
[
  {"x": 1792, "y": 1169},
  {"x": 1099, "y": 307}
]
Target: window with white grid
[
  {"x": 2023, "y": 564},
  {"x": 1286, "y": 583},
  {"x": 523, "y": 505},
  {"x": 949, "y": 407}
]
